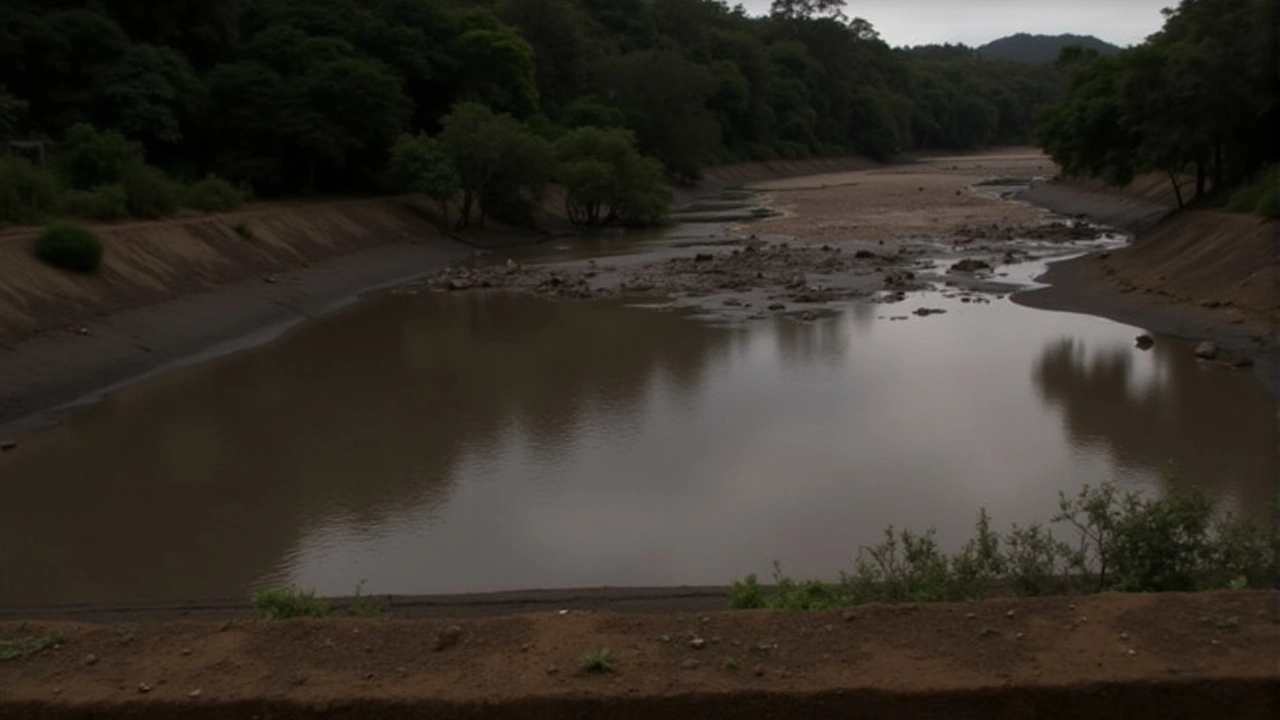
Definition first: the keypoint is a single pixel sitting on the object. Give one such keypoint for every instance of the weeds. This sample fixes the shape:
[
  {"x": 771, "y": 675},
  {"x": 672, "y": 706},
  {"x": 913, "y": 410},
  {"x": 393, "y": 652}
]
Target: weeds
[
  {"x": 29, "y": 645},
  {"x": 597, "y": 661},
  {"x": 69, "y": 247},
  {"x": 1117, "y": 542},
  {"x": 362, "y": 605},
  {"x": 281, "y": 604},
  {"x": 1229, "y": 623},
  {"x": 731, "y": 664}
]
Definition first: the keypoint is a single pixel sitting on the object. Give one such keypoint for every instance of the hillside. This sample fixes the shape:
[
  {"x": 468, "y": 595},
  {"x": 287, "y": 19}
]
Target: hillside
[{"x": 1028, "y": 48}]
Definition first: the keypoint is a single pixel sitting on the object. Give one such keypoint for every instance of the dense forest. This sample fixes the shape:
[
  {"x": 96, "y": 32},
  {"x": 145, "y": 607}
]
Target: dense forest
[
  {"x": 114, "y": 107},
  {"x": 1197, "y": 101}
]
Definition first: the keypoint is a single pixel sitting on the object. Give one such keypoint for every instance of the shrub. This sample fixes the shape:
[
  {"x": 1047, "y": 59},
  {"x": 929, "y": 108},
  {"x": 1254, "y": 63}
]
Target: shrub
[
  {"x": 1123, "y": 542},
  {"x": 149, "y": 191},
  {"x": 281, "y": 604},
  {"x": 87, "y": 158},
  {"x": 69, "y": 247},
  {"x": 27, "y": 193},
  {"x": 213, "y": 194},
  {"x": 244, "y": 229},
  {"x": 105, "y": 202},
  {"x": 1262, "y": 196}
]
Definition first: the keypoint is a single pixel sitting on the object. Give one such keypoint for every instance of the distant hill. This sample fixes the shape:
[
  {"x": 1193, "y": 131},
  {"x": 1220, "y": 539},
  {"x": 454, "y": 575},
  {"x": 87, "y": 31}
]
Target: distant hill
[{"x": 1028, "y": 48}]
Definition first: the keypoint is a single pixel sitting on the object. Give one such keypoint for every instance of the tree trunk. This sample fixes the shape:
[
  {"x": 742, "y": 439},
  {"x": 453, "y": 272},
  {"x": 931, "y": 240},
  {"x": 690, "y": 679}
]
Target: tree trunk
[
  {"x": 444, "y": 211},
  {"x": 464, "y": 214},
  {"x": 1217, "y": 166},
  {"x": 1177, "y": 188},
  {"x": 1201, "y": 176}
]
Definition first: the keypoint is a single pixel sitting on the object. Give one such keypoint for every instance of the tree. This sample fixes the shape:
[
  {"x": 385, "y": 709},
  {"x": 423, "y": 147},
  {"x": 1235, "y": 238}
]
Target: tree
[
  {"x": 665, "y": 100},
  {"x": 607, "y": 180},
  {"x": 791, "y": 10},
  {"x": 150, "y": 94},
  {"x": 498, "y": 160},
  {"x": 421, "y": 164},
  {"x": 499, "y": 70}
]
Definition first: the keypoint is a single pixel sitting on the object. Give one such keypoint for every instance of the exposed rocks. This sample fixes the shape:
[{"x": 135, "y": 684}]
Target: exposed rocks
[
  {"x": 1145, "y": 341},
  {"x": 970, "y": 265},
  {"x": 7, "y": 445},
  {"x": 1206, "y": 350},
  {"x": 926, "y": 312},
  {"x": 697, "y": 643}
]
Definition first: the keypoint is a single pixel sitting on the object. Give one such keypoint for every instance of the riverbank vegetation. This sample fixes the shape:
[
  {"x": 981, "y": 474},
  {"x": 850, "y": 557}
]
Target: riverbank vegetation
[
  {"x": 1116, "y": 542},
  {"x": 1197, "y": 102},
  {"x": 479, "y": 103}
]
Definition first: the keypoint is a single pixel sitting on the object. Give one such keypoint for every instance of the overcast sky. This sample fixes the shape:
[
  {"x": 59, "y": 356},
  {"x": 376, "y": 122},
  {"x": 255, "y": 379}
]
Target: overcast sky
[{"x": 974, "y": 22}]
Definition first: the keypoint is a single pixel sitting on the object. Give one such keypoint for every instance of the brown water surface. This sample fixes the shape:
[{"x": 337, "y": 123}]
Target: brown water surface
[{"x": 480, "y": 442}]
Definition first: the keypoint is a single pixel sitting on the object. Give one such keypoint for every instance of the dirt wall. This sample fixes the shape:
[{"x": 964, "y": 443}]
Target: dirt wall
[{"x": 149, "y": 262}]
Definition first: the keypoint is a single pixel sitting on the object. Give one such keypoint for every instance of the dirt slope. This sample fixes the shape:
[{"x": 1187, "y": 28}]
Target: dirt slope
[
  {"x": 1112, "y": 656},
  {"x": 148, "y": 262}
]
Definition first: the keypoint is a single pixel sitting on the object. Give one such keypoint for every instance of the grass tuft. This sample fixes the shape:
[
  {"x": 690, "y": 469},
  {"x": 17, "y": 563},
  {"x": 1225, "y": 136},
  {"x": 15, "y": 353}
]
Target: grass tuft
[
  {"x": 597, "y": 661},
  {"x": 285, "y": 603}
]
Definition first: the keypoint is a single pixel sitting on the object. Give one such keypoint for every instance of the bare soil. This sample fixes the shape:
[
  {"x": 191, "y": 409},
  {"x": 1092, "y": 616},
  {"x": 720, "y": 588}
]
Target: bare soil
[{"x": 1111, "y": 656}]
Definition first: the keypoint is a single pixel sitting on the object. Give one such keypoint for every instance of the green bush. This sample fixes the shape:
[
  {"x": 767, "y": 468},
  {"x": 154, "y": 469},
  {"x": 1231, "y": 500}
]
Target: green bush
[
  {"x": 87, "y": 157},
  {"x": 149, "y": 191},
  {"x": 28, "y": 193},
  {"x": 69, "y": 247},
  {"x": 1262, "y": 196},
  {"x": 213, "y": 194},
  {"x": 105, "y": 202},
  {"x": 1124, "y": 542},
  {"x": 281, "y": 604}
]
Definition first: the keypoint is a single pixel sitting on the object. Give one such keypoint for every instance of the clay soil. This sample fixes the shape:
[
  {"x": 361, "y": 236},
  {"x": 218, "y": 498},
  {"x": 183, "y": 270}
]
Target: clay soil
[{"x": 1113, "y": 656}]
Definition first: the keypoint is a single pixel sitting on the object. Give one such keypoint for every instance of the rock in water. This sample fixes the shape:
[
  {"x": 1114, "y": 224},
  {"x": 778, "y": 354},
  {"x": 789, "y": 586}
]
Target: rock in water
[
  {"x": 1145, "y": 341},
  {"x": 1207, "y": 350}
]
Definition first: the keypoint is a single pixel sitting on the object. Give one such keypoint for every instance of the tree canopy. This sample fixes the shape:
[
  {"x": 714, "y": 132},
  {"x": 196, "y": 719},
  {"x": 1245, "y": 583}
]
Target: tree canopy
[
  {"x": 1198, "y": 98},
  {"x": 295, "y": 96}
]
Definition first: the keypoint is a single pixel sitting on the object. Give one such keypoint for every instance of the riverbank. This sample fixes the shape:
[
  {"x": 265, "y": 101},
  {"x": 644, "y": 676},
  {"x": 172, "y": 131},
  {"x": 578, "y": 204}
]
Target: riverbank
[
  {"x": 191, "y": 287},
  {"x": 1121, "y": 656},
  {"x": 1195, "y": 274}
]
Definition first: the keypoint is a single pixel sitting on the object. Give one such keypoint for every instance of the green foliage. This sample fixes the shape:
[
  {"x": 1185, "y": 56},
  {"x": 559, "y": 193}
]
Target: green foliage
[
  {"x": 607, "y": 180},
  {"x": 1122, "y": 542},
  {"x": 149, "y": 193},
  {"x": 1184, "y": 103},
  {"x": 285, "y": 603},
  {"x": 69, "y": 247},
  {"x": 597, "y": 661},
  {"x": 1262, "y": 196},
  {"x": 366, "y": 606},
  {"x": 105, "y": 202},
  {"x": 502, "y": 165},
  {"x": 422, "y": 164},
  {"x": 213, "y": 194},
  {"x": 88, "y": 158},
  {"x": 28, "y": 645},
  {"x": 244, "y": 229},
  {"x": 28, "y": 193}
]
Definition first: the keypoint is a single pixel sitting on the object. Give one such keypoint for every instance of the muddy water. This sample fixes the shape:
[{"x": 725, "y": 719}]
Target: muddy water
[{"x": 479, "y": 442}]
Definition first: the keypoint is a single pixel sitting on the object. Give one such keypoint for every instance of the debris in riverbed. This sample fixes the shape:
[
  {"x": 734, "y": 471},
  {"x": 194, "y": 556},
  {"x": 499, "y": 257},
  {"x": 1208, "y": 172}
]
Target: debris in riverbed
[
  {"x": 970, "y": 265},
  {"x": 926, "y": 312},
  {"x": 1145, "y": 341},
  {"x": 1206, "y": 350}
]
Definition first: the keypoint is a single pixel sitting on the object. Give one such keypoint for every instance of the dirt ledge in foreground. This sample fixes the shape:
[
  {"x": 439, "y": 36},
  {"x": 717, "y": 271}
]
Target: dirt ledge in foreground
[{"x": 1111, "y": 656}]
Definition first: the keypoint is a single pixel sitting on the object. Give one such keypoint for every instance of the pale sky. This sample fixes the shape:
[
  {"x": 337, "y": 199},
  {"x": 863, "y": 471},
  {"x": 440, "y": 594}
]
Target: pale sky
[{"x": 975, "y": 22}]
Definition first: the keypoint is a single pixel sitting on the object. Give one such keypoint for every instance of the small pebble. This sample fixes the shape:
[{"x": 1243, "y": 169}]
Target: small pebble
[
  {"x": 690, "y": 664},
  {"x": 194, "y": 694},
  {"x": 970, "y": 616},
  {"x": 697, "y": 643},
  {"x": 1131, "y": 652},
  {"x": 1124, "y": 636},
  {"x": 186, "y": 651},
  {"x": 553, "y": 670},
  {"x": 90, "y": 659},
  {"x": 759, "y": 670},
  {"x": 144, "y": 688},
  {"x": 1011, "y": 613}
]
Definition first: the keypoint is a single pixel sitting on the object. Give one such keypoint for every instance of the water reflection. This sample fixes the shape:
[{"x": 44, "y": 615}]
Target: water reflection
[
  {"x": 197, "y": 483},
  {"x": 485, "y": 441},
  {"x": 1172, "y": 409}
]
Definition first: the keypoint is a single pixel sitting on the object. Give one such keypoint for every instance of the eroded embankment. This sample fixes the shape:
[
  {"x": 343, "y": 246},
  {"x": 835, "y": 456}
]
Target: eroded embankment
[
  {"x": 1194, "y": 273},
  {"x": 149, "y": 262},
  {"x": 1111, "y": 656}
]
